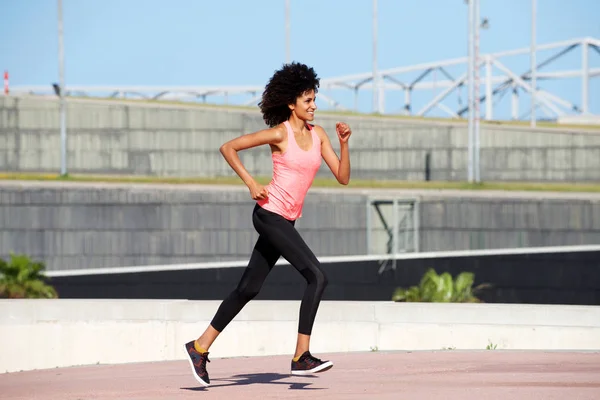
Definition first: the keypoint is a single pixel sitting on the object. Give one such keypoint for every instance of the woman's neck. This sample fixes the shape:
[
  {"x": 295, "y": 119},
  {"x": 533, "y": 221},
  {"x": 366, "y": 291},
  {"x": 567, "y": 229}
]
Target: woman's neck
[{"x": 297, "y": 124}]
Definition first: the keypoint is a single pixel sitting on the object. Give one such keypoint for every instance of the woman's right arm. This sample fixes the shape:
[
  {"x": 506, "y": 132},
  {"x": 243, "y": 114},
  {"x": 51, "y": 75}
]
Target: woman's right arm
[{"x": 229, "y": 150}]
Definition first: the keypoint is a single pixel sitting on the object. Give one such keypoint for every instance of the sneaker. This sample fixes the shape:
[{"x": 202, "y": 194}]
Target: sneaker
[
  {"x": 198, "y": 363},
  {"x": 308, "y": 364}
]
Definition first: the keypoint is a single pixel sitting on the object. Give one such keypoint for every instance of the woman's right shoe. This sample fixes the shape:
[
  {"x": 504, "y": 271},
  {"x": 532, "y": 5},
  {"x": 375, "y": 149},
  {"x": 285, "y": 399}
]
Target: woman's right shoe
[
  {"x": 198, "y": 363},
  {"x": 307, "y": 364}
]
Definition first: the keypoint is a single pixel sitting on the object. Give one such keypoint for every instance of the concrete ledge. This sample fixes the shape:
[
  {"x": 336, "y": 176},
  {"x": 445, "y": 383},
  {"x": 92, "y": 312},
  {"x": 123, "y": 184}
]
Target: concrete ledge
[
  {"x": 589, "y": 119},
  {"x": 39, "y": 334}
]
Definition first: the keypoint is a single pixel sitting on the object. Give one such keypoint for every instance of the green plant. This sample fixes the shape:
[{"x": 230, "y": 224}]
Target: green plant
[
  {"x": 441, "y": 289},
  {"x": 491, "y": 346},
  {"x": 21, "y": 277}
]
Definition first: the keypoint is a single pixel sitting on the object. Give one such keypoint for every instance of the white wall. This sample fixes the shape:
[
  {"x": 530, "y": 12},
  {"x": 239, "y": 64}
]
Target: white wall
[{"x": 38, "y": 334}]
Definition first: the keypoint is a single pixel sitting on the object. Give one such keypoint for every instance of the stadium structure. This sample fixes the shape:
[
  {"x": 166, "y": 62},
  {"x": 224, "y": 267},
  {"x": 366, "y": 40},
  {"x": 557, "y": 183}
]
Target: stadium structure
[{"x": 493, "y": 74}]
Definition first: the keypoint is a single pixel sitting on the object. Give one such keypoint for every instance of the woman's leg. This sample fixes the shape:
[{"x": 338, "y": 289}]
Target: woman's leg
[
  {"x": 283, "y": 236},
  {"x": 263, "y": 258}
]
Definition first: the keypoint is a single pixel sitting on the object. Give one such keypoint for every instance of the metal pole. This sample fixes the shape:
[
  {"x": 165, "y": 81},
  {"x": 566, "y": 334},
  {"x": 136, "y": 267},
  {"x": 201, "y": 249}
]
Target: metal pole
[
  {"x": 375, "y": 77},
  {"x": 533, "y": 65},
  {"x": 585, "y": 77},
  {"x": 61, "y": 72},
  {"x": 287, "y": 31},
  {"x": 470, "y": 87},
  {"x": 489, "y": 105},
  {"x": 476, "y": 96},
  {"x": 395, "y": 232},
  {"x": 369, "y": 224}
]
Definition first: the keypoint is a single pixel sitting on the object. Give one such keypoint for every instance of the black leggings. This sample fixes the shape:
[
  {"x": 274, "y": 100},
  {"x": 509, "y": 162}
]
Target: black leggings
[{"x": 277, "y": 237}]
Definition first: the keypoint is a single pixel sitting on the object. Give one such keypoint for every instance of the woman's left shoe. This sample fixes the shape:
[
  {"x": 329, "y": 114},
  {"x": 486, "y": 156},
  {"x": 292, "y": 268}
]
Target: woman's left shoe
[
  {"x": 198, "y": 363},
  {"x": 307, "y": 364}
]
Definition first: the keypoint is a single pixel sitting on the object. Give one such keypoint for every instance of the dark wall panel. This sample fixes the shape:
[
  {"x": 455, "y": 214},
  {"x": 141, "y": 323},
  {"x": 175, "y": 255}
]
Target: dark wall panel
[{"x": 552, "y": 278}]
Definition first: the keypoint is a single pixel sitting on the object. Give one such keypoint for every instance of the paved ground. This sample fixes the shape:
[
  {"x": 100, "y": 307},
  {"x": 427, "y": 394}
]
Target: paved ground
[{"x": 446, "y": 375}]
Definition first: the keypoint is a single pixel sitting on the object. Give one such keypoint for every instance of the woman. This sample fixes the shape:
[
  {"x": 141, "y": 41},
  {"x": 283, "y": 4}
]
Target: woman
[{"x": 297, "y": 147}]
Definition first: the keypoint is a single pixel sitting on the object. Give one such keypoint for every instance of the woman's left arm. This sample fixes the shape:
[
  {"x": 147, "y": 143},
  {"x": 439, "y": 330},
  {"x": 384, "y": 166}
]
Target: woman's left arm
[{"x": 340, "y": 167}]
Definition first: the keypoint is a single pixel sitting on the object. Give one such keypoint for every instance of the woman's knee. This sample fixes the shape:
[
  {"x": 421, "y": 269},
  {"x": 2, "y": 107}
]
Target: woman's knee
[
  {"x": 324, "y": 280},
  {"x": 245, "y": 294},
  {"x": 320, "y": 279}
]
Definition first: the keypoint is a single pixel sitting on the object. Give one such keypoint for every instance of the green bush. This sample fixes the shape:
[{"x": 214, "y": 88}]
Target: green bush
[
  {"x": 442, "y": 288},
  {"x": 21, "y": 277}
]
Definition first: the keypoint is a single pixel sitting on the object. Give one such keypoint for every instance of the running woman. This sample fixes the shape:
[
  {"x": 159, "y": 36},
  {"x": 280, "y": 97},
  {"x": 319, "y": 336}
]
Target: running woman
[{"x": 297, "y": 147}]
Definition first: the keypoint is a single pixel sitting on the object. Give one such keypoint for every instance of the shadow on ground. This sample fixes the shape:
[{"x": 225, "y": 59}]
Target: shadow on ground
[{"x": 262, "y": 378}]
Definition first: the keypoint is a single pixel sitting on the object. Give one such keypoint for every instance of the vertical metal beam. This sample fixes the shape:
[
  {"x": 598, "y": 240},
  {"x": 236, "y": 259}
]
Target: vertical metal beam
[
  {"x": 533, "y": 65},
  {"x": 407, "y": 107},
  {"x": 61, "y": 73},
  {"x": 489, "y": 104},
  {"x": 407, "y": 216},
  {"x": 417, "y": 225},
  {"x": 585, "y": 76},
  {"x": 476, "y": 97},
  {"x": 369, "y": 224},
  {"x": 515, "y": 102},
  {"x": 394, "y": 232},
  {"x": 470, "y": 87},
  {"x": 375, "y": 74},
  {"x": 287, "y": 31}
]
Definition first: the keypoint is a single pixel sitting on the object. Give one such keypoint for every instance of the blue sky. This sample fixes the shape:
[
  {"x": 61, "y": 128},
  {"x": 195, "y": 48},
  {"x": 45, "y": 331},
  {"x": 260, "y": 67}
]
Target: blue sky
[{"x": 236, "y": 42}]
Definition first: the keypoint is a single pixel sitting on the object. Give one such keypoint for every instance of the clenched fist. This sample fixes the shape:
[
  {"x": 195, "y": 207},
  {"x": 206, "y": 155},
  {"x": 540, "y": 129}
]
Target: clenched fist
[
  {"x": 258, "y": 192},
  {"x": 343, "y": 131}
]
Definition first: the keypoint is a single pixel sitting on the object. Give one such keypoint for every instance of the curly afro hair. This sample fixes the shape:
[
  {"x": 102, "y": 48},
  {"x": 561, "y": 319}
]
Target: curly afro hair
[{"x": 284, "y": 87}]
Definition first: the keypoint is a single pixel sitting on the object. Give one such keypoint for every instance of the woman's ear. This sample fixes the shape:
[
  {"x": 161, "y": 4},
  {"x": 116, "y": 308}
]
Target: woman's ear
[{"x": 292, "y": 106}]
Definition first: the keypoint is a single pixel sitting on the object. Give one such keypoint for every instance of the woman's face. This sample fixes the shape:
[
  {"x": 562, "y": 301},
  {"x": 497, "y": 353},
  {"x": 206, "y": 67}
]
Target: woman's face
[{"x": 305, "y": 106}]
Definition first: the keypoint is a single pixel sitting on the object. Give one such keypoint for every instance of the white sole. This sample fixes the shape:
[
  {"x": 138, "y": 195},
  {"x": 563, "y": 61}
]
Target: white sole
[
  {"x": 194, "y": 369},
  {"x": 324, "y": 366}
]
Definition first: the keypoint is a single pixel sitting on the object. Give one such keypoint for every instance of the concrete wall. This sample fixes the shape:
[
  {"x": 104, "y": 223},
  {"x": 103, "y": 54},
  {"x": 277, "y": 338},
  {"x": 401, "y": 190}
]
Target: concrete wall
[
  {"x": 91, "y": 226},
  {"x": 83, "y": 332},
  {"x": 77, "y": 225},
  {"x": 476, "y": 223},
  {"x": 127, "y": 138}
]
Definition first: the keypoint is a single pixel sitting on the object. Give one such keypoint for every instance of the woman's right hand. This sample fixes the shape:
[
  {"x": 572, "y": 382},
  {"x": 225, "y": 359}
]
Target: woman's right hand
[{"x": 258, "y": 191}]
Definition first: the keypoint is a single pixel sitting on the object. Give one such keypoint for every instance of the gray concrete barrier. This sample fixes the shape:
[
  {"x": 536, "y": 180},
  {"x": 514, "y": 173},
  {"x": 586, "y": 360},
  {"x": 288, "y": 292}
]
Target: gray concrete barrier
[
  {"x": 124, "y": 331},
  {"x": 93, "y": 225},
  {"x": 115, "y": 137}
]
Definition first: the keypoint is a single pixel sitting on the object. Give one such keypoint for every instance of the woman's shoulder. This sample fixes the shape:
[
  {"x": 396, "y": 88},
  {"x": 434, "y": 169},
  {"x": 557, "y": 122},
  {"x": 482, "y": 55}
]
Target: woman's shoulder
[
  {"x": 318, "y": 129},
  {"x": 280, "y": 130},
  {"x": 276, "y": 133},
  {"x": 315, "y": 127}
]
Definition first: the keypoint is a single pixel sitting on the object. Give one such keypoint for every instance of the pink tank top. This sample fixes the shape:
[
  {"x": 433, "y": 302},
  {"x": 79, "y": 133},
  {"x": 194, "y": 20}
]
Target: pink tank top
[{"x": 293, "y": 174}]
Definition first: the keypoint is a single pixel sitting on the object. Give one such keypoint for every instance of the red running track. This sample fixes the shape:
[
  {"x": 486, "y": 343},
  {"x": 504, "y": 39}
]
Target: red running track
[{"x": 443, "y": 375}]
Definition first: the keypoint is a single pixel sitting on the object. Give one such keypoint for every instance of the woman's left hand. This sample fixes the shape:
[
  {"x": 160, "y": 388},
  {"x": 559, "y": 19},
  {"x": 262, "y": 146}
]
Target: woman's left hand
[{"x": 343, "y": 131}]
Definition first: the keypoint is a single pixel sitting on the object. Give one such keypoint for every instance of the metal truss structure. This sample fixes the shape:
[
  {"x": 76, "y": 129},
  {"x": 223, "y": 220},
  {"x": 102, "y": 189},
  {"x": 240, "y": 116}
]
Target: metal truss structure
[
  {"x": 395, "y": 79},
  {"x": 392, "y": 227}
]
